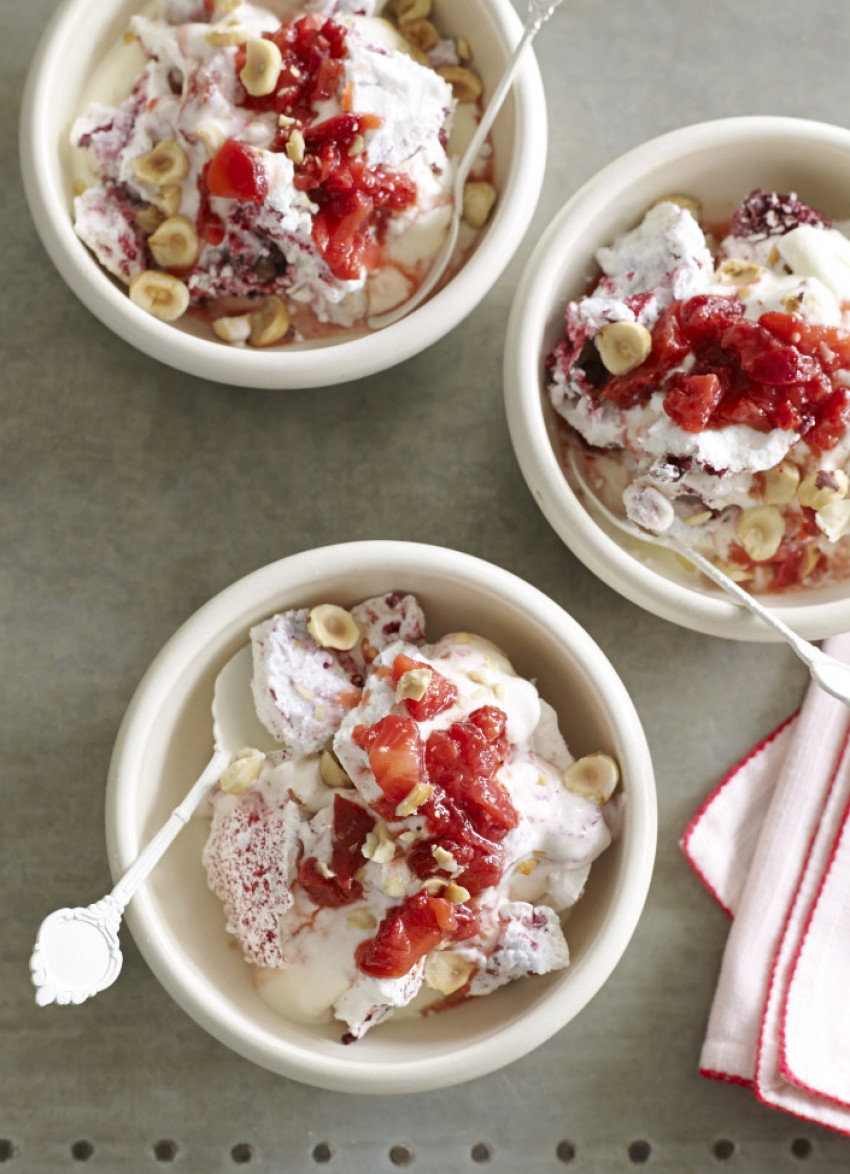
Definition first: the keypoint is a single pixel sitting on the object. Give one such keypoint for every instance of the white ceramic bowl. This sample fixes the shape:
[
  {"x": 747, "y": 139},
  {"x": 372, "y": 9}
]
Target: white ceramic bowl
[
  {"x": 76, "y": 40},
  {"x": 178, "y": 924},
  {"x": 719, "y": 163}
]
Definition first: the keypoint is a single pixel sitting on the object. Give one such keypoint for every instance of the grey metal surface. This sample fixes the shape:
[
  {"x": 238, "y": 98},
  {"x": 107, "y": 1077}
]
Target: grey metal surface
[{"x": 131, "y": 494}]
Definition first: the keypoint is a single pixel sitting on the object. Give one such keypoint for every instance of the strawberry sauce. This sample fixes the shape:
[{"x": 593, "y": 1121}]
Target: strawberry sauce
[
  {"x": 353, "y": 199},
  {"x": 774, "y": 373},
  {"x": 466, "y": 813}
]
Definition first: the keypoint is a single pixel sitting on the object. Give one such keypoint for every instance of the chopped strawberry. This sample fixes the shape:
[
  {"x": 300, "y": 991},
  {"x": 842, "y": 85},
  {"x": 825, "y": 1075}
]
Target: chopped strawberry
[
  {"x": 327, "y": 889},
  {"x": 407, "y": 934},
  {"x": 351, "y": 825},
  {"x": 464, "y": 761},
  {"x": 396, "y": 755},
  {"x": 237, "y": 173},
  {"x": 439, "y": 695}
]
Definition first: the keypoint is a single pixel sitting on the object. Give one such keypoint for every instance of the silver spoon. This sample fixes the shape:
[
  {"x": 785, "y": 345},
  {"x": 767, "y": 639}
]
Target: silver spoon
[
  {"x": 833, "y": 676},
  {"x": 539, "y": 12},
  {"x": 77, "y": 952}
]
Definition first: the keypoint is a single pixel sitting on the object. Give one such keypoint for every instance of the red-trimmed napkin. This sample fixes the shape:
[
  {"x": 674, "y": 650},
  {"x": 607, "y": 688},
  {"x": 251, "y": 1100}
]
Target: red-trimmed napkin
[{"x": 772, "y": 844}]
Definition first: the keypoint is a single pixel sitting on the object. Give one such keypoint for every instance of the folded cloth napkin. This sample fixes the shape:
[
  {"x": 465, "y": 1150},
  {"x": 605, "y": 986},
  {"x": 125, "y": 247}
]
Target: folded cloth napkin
[{"x": 772, "y": 844}]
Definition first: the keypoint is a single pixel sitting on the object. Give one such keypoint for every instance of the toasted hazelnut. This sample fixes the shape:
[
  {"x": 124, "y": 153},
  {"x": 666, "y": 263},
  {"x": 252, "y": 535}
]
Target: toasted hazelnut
[
  {"x": 811, "y": 558},
  {"x": 333, "y": 627},
  {"x": 463, "y": 50},
  {"x": 167, "y": 163},
  {"x": 379, "y": 846},
  {"x": 408, "y": 10},
  {"x": 823, "y": 487},
  {"x": 447, "y": 971},
  {"x": 478, "y": 200},
  {"x": 175, "y": 243},
  {"x": 296, "y": 148},
  {"x": 418, "y": 794},
  {"x": 269, "y": 323},
  {"x": 699, "y": 518},
  {"x": 594, "y": 776},
  {"x": 780, "y": 483},
  {"x": 210, "y": 136},
  {"x": 233, "y": 329},
  {"x": 225, "y": 33},
  {"x": 168, "y": 199},
  {"x": 240, "y": 775},
  {"x": 528, "y": 866},
  {"x": 466, "y": 84},
  {"x": 413, "y": 685},
  {"x": 457, "y": 894},
  {"x": 393, "y": 886},
  {"x": 833, "y": 519},
  {"x": 734, "y": 271},
  {"x": 420, "y": 33},
  {"x": 149, "y": 218},
  {"x": 760, "y": 531},
  {"x": 160, "y": 294},
  {"x": 331, "y": 771},
  {"x": 443, "y": 858},
  {"x": 261, "y": 71},
  {"x": 623, "y": 346},
  {"x": 362, "y": 919}
]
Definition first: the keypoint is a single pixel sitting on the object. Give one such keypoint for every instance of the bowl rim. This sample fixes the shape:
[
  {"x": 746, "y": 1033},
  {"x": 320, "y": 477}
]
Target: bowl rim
[
  {"x": 612, "y": 559},
  {"x": 195, "y": 991},
  {"x": 321, "y": 366}
]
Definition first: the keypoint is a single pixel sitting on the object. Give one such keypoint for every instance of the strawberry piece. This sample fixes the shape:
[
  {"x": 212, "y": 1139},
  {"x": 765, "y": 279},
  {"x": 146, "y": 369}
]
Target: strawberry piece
[
  {"x": 463, "y": 760},
  {"x": 407, "y": 934},
  {"x": 439, "y": 695},
  {"x": 351, "y": 825},
  {"x": 396, "y": 755},
  {"x": 236, "y": 172}
]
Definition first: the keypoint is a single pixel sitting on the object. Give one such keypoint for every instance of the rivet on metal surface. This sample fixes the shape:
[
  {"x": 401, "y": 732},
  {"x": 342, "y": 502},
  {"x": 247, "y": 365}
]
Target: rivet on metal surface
[
  {"x": 565, "y": 1151},
  {"x": 639, "y": 1152},
  {"x": 165, "y": 1150},
  {"x": 401, "y": 1155},
  {"x": 81, "y": 1151}
]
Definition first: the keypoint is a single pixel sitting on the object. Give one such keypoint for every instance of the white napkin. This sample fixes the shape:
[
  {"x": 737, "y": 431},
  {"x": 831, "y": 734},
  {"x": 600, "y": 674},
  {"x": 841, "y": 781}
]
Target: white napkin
[{"x": 772, "y": 844}]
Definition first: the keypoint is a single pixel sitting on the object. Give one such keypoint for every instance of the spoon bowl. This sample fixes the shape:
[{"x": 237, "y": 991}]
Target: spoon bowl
[{"x": 77, "y": 950}]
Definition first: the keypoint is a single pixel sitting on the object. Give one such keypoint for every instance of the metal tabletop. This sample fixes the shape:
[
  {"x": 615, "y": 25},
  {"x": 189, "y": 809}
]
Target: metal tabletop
[{"x": 133, "y": 493}]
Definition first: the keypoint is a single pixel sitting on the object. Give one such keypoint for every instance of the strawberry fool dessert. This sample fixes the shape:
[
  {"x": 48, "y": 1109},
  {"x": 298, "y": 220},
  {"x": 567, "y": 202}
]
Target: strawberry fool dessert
[
  {"x": 418, "y": 833},
  {"x": 704, "y": 384},
  {"x": 282, "y": 175}
]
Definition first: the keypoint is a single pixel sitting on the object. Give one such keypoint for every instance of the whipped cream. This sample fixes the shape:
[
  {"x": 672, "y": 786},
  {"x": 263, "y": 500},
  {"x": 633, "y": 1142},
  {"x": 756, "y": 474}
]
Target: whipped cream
[{"x": 319, "y": 910}]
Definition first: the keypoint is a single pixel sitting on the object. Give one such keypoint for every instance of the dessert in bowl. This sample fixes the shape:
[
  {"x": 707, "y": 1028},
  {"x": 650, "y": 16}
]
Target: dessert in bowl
[
  {"x": 479, "y": 1023},
  {"x": 681, "y": 332},
  {"x": 239, "y": 190}
]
